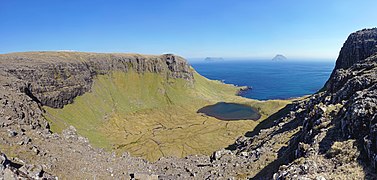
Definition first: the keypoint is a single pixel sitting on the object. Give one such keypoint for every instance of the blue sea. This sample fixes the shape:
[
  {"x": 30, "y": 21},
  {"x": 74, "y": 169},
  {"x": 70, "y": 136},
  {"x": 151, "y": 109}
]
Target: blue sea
[{"x": 269, "y": 79}]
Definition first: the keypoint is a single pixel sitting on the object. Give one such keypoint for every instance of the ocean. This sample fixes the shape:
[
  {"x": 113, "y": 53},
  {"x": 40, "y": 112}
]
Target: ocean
[{"x": 269, "y": 79}]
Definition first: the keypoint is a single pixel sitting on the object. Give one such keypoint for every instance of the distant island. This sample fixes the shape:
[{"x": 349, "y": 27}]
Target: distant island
[
  {"x": 279, "y": 57},
  {"x": 214, "y": 59}
]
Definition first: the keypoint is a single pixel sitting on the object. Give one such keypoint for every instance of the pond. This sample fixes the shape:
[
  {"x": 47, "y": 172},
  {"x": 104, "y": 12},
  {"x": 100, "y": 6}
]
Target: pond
[{"x": 230, "y": 111}]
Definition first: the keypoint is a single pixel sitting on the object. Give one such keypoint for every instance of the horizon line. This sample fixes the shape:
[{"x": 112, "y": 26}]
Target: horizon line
[{"x": 187, "y": 57}]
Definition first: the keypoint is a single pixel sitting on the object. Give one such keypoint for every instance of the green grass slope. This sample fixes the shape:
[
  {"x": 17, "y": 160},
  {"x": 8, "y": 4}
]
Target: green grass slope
[{"x": 151, "y": 116}]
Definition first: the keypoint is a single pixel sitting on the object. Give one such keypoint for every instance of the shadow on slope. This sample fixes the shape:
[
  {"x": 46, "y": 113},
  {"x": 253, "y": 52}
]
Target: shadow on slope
[
  {"x": 286, "y": 153},
  {"x": 345, "y": 157},
  {"x": 345, "y": 150},
  {"x": 265, "y": 124}
]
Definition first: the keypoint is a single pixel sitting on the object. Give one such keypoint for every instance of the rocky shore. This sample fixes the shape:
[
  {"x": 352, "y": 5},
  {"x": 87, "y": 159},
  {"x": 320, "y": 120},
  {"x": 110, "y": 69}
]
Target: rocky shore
[{"x": 244, "y": 89}]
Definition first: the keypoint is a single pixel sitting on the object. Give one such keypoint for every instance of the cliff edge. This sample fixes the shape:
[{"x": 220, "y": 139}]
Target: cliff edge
[
  {"x": 358, "y": 46},
  {"x": 55, "y": 78}
]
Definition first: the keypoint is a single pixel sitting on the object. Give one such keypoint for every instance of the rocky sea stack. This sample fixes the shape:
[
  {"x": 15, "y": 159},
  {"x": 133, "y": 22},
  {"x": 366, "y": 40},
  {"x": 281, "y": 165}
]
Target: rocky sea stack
[{"x": 328, "y": 135}]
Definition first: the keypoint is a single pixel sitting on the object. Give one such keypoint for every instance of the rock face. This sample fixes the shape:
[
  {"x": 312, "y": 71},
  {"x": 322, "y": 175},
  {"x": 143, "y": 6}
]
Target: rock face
[
  {"x": 55, "y": 78},
  {"x": 354, "y": 83},
  {"x": 359, "y": 46}
]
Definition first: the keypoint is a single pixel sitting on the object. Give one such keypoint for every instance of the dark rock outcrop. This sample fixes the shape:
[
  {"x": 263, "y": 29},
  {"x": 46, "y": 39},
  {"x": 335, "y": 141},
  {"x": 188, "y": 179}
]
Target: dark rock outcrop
[
  {"x": 354, "y": 83},
  {"x": 359, "y": 46}
]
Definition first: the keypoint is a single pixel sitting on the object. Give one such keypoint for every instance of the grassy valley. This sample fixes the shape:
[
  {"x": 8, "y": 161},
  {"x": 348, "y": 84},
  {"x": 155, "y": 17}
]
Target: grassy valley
[{"x": 151, "y": 116}]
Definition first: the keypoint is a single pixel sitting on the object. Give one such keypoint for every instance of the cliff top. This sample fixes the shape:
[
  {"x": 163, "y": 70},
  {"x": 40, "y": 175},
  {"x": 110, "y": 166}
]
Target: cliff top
[
  {"x": 71, "y": 57},
  {"x": 358, "y": 46},
  {"x": 365, "y": 31}
]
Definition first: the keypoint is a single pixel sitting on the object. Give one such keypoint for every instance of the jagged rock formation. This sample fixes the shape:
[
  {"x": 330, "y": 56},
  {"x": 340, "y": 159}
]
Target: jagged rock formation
[
  {"x": 354, "y": 82},
  {"x": 359, "y": 46}
]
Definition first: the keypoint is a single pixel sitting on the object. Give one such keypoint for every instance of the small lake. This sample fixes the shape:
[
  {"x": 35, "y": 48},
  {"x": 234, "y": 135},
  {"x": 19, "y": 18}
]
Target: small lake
[{"x": 230, "y": 111}]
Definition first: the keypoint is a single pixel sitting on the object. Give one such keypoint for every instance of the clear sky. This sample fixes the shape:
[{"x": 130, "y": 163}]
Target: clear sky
[{"x": 190, "y": 28}]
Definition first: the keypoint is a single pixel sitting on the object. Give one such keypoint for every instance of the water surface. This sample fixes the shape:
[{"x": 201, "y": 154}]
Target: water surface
[
  {"x": 269, "y": 79},
  {"x": 230, "y": 111}
]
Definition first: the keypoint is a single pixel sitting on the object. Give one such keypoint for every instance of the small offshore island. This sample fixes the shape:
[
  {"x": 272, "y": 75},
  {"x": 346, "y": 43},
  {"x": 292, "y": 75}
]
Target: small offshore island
[
  {"x": 279, "y": 57},
  {"x": 213, "y": 59}
]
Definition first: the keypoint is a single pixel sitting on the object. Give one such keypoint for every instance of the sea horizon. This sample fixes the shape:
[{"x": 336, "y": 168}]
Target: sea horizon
[
  {"x": 269, "y": 79},
  {"x": 243, "y": 59}
]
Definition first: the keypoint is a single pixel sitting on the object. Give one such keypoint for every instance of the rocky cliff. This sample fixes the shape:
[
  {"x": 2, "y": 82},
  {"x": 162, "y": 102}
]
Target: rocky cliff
[
  {"x": 358, "y": 46},
  {"x": 55, "y": 78},
  {"x": 339, "y": 124},
  {"x": 354, "y": 85},
  {"x": 34, "y": 79}
]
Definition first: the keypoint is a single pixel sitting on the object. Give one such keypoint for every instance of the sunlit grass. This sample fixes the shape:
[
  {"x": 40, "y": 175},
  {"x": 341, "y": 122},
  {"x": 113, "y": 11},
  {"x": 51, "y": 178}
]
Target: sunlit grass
[{"x": 150, "y": 115}]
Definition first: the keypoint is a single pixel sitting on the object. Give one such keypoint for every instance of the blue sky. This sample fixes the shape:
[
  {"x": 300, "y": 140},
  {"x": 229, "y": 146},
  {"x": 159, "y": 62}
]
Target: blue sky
[{"x": 190, "y": 28}]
